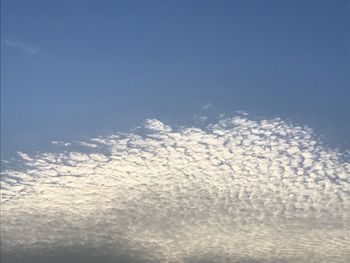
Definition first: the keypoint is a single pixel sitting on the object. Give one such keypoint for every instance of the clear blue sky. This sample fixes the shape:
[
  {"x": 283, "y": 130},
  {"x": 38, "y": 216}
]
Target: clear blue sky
[{"x": 78, "y": 68}]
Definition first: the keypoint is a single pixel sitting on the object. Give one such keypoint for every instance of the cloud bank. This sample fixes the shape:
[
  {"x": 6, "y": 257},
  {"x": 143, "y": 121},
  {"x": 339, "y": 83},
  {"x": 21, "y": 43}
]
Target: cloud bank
[{"x": 237, "y": 191}]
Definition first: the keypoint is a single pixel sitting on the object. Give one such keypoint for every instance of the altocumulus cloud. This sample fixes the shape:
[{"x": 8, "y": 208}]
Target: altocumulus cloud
[{"x": 237, "y": 191}]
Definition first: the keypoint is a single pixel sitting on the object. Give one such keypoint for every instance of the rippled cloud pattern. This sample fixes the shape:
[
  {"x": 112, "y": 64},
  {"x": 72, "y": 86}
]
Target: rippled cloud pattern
[{"x": 236, "y": 191}]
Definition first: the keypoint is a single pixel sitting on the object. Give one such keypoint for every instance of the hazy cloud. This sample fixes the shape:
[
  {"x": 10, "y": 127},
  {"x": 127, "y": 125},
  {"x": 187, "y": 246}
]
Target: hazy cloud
[
  {"x": 207, "y": 106},
  {"x": 29, "y": 49}
]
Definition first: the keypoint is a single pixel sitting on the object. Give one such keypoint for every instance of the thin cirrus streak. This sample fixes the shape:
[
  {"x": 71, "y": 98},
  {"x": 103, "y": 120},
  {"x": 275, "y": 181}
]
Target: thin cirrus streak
[
  {"x": 29, "y": 49},
  {"x": 237, "y": 191}
]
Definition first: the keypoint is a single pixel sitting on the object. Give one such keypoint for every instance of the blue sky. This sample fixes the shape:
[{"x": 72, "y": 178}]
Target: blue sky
[
  {"x": 81, "y": 68},
  {"x": 95, "y": 167}
]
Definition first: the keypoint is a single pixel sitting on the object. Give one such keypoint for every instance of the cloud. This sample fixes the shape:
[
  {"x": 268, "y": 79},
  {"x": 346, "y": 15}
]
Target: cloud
[
  {"x": 29, "y": 49},
  {"x": 207, "y": 106},
  {"x": 61, "y": 143},
  {"x": 237, "y": 191},
  {"x": 86, "y": 144}
]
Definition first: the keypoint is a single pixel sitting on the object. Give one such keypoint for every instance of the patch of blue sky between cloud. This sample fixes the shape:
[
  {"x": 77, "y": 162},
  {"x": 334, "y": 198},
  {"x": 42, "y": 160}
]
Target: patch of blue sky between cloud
[{"x": 262, "y": 191}]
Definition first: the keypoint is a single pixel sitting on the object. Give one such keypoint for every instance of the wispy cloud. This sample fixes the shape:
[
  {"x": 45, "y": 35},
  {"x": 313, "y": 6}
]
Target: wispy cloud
[
  {"x": 29, "y": 49},
  {"x": 61, "y": 143},
  {"x": 207, "y": 106}
]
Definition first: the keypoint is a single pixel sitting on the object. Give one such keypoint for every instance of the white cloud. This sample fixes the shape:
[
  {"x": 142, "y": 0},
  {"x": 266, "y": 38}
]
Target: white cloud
[
  {"x": 87, "y": 144},
  {"x": 61, "y": 143},
  {"x": 207, "y": 106},
  {"x": 29, "y": 49},
  {"x": 240, "y": 189}
]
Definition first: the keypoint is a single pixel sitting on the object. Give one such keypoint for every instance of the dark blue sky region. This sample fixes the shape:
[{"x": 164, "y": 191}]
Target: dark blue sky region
[{"x": 80, "y": 68}]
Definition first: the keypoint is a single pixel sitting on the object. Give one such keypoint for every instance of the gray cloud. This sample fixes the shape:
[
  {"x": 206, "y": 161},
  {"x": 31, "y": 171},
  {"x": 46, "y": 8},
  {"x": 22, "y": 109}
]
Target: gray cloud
[{"x": 237, "y": 191}]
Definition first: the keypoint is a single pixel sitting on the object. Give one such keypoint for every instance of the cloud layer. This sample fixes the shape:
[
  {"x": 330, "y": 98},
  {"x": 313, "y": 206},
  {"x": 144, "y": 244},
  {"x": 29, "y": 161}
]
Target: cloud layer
[{"x": 237, "y": 191}]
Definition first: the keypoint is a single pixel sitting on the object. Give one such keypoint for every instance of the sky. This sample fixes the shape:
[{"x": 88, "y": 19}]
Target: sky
[
  {"x": 175, "y": 131},
  {"x": 81, "y": 68}
]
